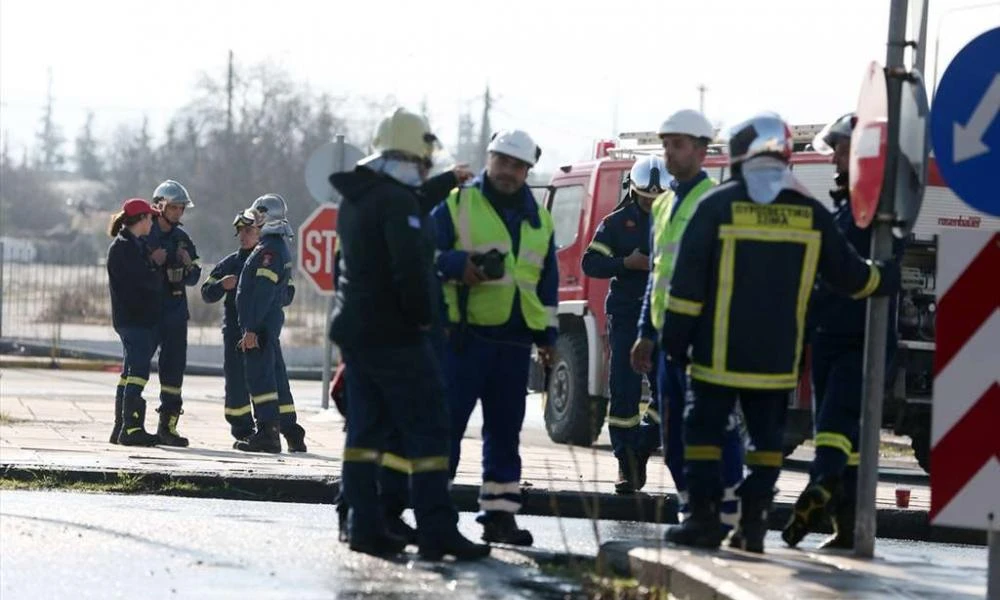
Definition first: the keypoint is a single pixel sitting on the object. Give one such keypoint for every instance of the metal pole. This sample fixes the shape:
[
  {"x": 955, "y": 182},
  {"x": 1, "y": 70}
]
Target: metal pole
[
  {"x": 993, "y": 565},
  {"x": 340, "y": 163},
  {"x": 876, "y": 327}
]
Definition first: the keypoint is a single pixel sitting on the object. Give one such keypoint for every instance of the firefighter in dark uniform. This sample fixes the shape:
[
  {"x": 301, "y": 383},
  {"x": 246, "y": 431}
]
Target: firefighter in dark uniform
[
  {"x": 394, "y": 484},
  {"x": 134, "y": 282},
  {"x": 383, "y": 324},
  {"x": 620, "y": 252},
  {"x": 261, "y": 295},
  {"x": 837, "y": 324},
  {"x": 738, "y": 299},
  {"x": 174, "y": 251},
  {"x": 221, "y": 283}
]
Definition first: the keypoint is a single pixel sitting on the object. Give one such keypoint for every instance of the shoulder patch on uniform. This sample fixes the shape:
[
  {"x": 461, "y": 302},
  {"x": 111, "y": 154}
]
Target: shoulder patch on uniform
[
  {"x": 630, "y": 224},
  {"x": 266, "y": 258},
  {"x": 413, "y": 221}
]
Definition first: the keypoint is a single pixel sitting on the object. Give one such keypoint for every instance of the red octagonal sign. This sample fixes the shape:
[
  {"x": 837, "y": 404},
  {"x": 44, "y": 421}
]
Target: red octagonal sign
[
  {"x": 869, "y": 146},
  {"x": 317, "y": 236}
]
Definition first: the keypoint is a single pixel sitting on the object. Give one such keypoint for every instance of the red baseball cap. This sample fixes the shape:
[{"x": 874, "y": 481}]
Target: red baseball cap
[{"x": 138, "y": 206}]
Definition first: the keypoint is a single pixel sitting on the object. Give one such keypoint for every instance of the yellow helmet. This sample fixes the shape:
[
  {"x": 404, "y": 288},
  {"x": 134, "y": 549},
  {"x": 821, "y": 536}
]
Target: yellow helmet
[{"x": 406, "y": 133}]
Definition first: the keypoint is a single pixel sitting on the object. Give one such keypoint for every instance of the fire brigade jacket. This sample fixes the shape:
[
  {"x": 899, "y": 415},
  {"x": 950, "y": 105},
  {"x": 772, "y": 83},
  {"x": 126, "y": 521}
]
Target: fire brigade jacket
[{"x": 741, "y": 285}]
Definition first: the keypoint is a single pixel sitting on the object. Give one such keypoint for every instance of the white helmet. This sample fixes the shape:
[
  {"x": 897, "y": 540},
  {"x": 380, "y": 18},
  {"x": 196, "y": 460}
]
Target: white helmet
[
  {"x": 649, "y": 177},
  {"x": 688, "y": 122},
  {"x": 516, "y": 144}
]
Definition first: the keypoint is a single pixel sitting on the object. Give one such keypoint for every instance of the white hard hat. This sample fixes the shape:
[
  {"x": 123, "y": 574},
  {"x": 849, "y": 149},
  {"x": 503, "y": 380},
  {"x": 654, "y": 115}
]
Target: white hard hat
[
  {"x": 172, "y": 192},
  {"x": 688, "y": 122},
  {"x": 516, "y": 144}
]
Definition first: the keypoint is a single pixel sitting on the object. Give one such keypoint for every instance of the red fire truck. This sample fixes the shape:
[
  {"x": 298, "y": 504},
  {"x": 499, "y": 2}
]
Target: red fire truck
[{"x": 581, "y": 194}]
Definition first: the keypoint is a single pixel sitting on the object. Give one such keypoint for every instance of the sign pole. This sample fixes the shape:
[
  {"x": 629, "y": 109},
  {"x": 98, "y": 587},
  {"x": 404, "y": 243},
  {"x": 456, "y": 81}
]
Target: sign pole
[
  {"x": 340, "y": 160},
  {"x": 993, "y": 566},
  {"x": 876, "y": 326}
]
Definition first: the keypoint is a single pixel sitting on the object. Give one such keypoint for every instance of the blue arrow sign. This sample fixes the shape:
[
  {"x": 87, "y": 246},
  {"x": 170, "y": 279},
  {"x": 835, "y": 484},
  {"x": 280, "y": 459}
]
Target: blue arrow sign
[{"x": 965, "y": 128}]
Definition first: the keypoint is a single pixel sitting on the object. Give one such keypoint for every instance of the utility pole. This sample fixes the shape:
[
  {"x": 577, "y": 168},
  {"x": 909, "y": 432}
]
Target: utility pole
[
  {"x": 229, "y": 99},
  {"x": 701, "y": 97},
  {"x": 485, "y": 129}
]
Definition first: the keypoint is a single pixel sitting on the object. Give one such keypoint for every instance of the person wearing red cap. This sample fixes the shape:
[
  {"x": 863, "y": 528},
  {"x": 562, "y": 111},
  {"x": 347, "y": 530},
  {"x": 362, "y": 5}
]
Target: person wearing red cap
[{"x": 134, "y": 283}]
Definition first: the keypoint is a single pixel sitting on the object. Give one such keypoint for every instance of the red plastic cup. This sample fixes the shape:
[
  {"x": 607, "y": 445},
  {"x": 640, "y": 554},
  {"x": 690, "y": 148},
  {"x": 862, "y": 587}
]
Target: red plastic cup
[{"x": 902, "y": 497}]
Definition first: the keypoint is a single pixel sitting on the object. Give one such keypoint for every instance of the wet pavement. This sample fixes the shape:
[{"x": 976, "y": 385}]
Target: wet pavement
[{"x": 60, "y": 544}]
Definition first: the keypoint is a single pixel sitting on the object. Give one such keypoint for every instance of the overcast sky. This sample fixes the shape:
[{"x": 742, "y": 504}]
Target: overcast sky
[{"x": 568, "y": 72}]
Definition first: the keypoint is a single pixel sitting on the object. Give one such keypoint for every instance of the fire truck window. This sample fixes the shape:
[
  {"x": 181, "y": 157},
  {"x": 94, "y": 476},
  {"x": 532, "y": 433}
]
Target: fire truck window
[{"x": 567, "y": 203}]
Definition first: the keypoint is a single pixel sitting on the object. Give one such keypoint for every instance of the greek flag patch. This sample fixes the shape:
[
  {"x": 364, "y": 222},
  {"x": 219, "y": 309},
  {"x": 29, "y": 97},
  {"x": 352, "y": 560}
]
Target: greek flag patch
[{"x": 413, "y": 221}]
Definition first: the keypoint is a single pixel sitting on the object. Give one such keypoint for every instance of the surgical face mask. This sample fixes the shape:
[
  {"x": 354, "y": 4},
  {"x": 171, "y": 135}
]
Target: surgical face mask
[{"x": 405, "y": 172}]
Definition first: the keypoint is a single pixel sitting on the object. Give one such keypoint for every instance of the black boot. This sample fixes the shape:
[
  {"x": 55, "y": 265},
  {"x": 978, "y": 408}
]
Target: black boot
[
  {"x": 267, "y": 439},
  {"x": 808, "y": 514},
  {"x": 117, "y": 428},
  {"x": 133, "y": 432},
  {"x": 501, "y": 528},
  {"x": 396, "y": 527},
  {"x": 453, "y": 544},
  {"x": 624, "y": 486},
  {"x": 843, "y": 527},
  {"x": 295, "y": 437},
  {"x": 342, "y": 510},
  {"x": 380, "y": 545},
  {"x": 702, "y": 529},
  {"x": 167, "y": 429},
  {"x": 641, "y": 461},
  {"x": 749, "y": 534}
]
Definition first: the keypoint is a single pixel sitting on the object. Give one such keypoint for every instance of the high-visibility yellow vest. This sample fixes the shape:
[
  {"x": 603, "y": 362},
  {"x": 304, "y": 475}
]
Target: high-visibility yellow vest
[
  {"x": 479, "y": 229},
  {"x": 667, "y": 239}
]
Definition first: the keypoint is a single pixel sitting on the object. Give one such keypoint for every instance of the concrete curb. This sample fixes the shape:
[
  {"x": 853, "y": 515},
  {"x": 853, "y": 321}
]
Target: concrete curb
[{"x": 890, "y": 523}]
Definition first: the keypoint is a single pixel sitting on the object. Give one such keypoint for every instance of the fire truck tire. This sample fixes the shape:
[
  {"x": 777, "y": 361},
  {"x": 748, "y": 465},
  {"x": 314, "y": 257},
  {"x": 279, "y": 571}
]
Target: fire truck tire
[
  {"x": 572, "y": 415},
  {"x": 920, "y": 441}
]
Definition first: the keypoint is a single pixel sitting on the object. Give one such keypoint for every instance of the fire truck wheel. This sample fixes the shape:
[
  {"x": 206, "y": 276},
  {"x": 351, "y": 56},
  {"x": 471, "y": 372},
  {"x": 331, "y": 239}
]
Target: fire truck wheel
[
  {"x": 920, "y": 441},
  {"x": 572, "y": 415}
]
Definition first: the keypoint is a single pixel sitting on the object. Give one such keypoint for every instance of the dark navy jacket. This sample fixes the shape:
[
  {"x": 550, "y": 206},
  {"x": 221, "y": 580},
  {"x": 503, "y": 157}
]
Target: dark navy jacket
[
  {"x": 134, "y": 282},
  {"x": 263, "y": 287},
  {"x": 451, "y": 264},
  {"x": 619, "y": 234},
  {"x": 834, "y": 315},
  {"x": 174, "y": 298}
]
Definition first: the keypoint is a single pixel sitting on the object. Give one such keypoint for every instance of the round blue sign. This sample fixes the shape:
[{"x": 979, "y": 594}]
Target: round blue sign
[{"x": 965, "y": 127}]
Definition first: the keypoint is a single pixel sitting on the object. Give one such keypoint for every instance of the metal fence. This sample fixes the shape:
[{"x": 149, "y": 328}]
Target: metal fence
[{"x": 62, "y": 305}]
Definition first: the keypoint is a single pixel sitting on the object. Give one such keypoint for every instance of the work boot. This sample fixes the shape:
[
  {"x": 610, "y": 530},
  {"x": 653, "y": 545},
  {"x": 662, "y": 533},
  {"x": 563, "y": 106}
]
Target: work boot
[
  {"x": 396, "y": 527},
  {"x": 702, "y": 529},
  {"x": 167, "y": 429},
  {"x": 117, "y": 428},
  {"x": 379, "y": 545},
  {"x": 453, "y": 544},
  {"x": 295, "y": 437},
  {"x": 133, "y": 433},
  {"x": 749, "y": 534},
  {"x": 342, "y": 510},
  {"x": 266, "y": 439},
  {"x": 843, "y": 527},
  {"x": 501, "y": 528},
  {"x": 241, "y": 434},
  {"x": 808, "y": 514},
  {"x": 631, "y": 472}
]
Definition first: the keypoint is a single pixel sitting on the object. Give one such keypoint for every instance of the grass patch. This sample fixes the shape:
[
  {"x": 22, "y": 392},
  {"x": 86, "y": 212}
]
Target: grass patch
[
  {"x": 128, "y": 483},
  {"x": 6, "y": 419},
  {"x": 596, "y": 586}
]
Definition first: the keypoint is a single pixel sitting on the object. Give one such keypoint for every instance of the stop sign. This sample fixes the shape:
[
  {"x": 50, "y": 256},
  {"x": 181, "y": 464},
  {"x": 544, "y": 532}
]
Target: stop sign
[{"x": 317, "y": 236}]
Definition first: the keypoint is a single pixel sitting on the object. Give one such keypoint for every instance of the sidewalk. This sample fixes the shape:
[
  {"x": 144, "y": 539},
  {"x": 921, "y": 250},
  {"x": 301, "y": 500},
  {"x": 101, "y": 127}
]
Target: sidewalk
[
  {"x": 60, "y": 421},
  {"x": 897, "y": 571}
]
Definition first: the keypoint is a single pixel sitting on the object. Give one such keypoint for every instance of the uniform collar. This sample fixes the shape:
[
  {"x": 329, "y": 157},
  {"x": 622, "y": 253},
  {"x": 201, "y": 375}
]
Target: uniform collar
[
  {"x": 528, "y": 207},
  {"x": 683, "y": 188}
]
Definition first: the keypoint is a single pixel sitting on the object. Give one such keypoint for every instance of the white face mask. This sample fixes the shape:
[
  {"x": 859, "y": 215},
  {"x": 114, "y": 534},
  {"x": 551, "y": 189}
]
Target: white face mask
[
  {"x": 403, "y": 171},
  {"x": 766, "y": 176}
]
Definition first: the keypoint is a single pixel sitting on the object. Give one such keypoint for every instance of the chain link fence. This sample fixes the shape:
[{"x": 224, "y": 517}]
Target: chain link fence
[{"x": 58, "y": 303}]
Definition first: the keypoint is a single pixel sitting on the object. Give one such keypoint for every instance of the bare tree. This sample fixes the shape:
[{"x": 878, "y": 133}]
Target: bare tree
[{"x": 88, "y": 161}]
